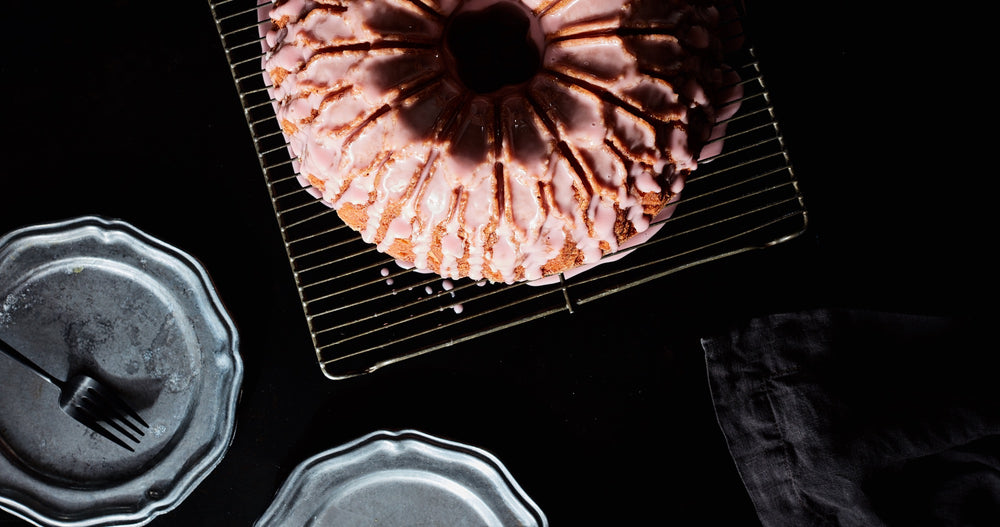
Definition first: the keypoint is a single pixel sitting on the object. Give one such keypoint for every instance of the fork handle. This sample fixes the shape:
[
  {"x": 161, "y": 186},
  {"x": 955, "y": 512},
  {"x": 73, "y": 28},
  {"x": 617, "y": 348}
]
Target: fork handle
[{"x": 9, "y": 350}]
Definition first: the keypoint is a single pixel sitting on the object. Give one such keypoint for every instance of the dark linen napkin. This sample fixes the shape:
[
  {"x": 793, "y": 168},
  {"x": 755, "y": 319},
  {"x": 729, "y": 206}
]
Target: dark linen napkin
[{"x": 860, "y": 418}]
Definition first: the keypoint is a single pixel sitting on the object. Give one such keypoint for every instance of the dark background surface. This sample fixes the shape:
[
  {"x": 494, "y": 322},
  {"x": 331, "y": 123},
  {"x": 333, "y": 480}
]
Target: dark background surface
[{"x": 127, "y": 110}]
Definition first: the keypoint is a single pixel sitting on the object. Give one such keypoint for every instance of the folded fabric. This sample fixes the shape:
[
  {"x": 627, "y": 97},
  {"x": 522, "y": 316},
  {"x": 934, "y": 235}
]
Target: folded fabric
[{"x": 860, "y": 418}]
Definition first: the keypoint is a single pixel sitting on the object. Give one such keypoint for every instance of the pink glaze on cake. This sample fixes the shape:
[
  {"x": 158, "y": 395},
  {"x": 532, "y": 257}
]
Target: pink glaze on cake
[{"x": 509, "y": 182}]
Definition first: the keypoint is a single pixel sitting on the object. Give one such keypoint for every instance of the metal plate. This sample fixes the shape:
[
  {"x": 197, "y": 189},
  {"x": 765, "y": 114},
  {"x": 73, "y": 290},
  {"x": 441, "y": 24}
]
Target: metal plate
[
  {"x": 406, "y": 478},
  {"x": 144, "y": 316}
]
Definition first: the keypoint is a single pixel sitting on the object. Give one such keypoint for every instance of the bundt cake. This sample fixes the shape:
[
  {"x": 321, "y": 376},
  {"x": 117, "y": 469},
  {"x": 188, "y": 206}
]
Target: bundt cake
[{"x": 495, "y": 139}]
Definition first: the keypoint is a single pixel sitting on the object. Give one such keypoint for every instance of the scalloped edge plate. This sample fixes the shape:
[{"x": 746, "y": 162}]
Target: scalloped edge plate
[
  {"x": 404, "y": 478},
  {"x": 98, "y": 273}
]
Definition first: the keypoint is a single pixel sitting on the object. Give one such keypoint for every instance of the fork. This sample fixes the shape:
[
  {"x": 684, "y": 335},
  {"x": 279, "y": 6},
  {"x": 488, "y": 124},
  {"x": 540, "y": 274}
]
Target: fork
[{"x": 90, "y": 402}]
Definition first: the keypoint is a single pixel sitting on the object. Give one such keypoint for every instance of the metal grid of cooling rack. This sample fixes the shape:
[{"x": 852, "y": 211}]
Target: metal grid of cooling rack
[{"x": 364, "y": 312}]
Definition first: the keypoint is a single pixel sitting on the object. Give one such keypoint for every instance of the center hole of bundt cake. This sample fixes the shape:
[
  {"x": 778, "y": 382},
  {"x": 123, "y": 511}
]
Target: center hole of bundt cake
[{"x": 493, "y": 46}]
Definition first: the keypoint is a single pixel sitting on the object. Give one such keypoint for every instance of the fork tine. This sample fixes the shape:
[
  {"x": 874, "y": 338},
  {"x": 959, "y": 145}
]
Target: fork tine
[
  {"x": 106, "y": 414},
  {"x": 114, "y": 401},
  {"x": 121, "y": 410},
  {"x": 86, "y": 417},
  {"x": 88, "y": 401}
]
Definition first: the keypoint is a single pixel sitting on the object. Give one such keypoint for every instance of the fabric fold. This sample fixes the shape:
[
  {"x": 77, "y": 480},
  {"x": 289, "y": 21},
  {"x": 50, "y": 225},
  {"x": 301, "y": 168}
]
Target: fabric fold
[{"x": 849, "y": 417}]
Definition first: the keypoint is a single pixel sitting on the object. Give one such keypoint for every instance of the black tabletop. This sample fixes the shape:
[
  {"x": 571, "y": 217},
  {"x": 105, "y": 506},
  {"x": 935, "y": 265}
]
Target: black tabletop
[{"x": 127, "y": 110}]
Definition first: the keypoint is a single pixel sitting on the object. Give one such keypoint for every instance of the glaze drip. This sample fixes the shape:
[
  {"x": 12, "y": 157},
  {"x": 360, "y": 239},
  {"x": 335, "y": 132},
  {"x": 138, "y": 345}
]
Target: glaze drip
[{"x": 496, "y": 139}]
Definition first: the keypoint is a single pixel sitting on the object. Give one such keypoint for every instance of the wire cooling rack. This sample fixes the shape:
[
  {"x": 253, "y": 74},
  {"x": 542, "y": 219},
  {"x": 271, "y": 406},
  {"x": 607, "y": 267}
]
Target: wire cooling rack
[{"x": 365, "y": 312}]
